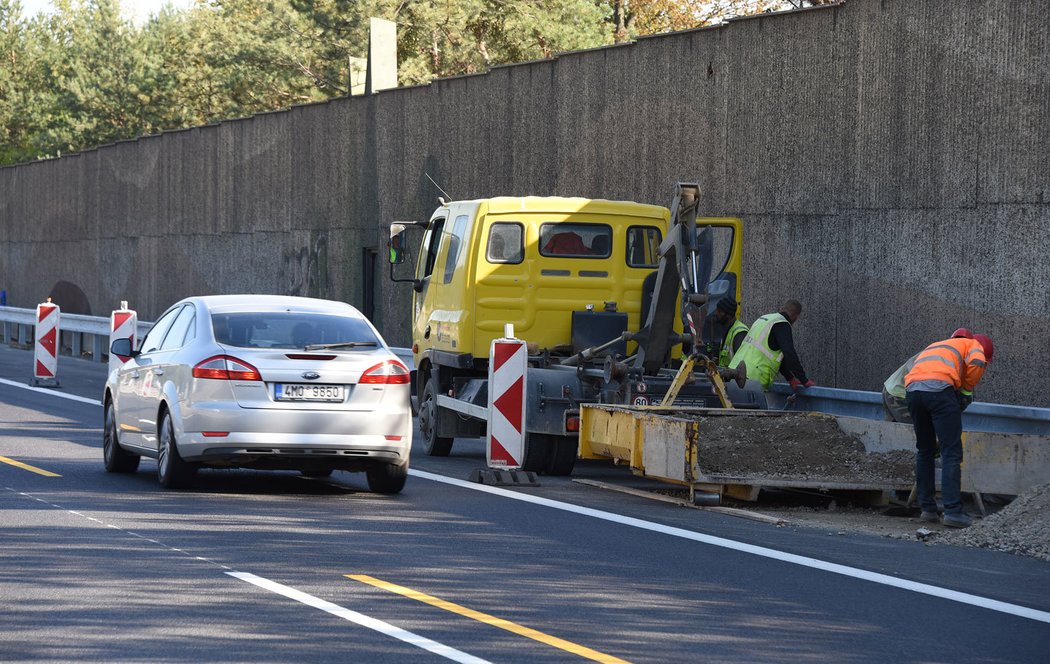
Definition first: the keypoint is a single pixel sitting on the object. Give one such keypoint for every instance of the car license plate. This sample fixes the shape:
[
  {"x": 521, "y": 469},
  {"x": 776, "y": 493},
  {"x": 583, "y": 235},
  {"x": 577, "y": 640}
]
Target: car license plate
[{"x": 307, "y": 392}]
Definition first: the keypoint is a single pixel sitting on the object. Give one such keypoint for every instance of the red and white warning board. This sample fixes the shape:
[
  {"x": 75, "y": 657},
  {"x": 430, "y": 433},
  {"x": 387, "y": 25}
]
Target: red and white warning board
[
  {"x": 508, "y": 359},
  {"x": 122, "y": 325},
  {"x": 45, "y": 366}
]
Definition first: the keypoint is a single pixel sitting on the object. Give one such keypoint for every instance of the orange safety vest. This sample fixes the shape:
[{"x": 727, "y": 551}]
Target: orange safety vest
[{"x": 958, "y": 362}]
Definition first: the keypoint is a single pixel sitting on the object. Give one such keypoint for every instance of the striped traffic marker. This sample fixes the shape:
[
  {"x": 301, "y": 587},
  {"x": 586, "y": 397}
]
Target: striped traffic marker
[
  {"x": 508, "y": 359},
  {"x": 45, "y": 352}
]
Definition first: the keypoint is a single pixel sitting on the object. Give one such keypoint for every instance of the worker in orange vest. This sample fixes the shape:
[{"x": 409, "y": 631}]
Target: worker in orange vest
[
  {"x": 893, "y": 394},
  {"x": 939, "y": 387}
]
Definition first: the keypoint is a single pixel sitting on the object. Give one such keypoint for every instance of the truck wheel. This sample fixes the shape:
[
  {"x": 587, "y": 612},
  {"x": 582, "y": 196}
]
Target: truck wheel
[
  {"x": 562, "y": 455},
  {"x": 537, "y": 447},
  {"x": 433, "y": 444}
]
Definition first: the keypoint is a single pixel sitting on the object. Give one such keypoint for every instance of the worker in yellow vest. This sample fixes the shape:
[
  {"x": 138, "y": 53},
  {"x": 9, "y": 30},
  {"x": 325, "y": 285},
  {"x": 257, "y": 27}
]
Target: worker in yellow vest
[
  {"x": 735, "y": 331},
  {"x": 769, "y": 347},
  {"x": 939, "y": 387}
]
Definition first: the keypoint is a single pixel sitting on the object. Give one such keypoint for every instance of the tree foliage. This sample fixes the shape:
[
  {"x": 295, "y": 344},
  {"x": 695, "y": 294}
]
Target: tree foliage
[{"x": 84, "y": 75}]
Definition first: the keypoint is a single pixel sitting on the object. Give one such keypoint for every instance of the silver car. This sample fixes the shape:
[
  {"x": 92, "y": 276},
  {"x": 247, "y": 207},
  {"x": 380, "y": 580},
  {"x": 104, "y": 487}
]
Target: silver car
[{"x": 260, "y": 381}]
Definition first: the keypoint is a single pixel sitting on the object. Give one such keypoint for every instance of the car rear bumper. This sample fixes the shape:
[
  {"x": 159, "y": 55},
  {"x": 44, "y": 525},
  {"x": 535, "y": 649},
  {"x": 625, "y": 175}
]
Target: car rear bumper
[
  {"x": 238, "y": 436},
  {"x": 297, "y": 456}
]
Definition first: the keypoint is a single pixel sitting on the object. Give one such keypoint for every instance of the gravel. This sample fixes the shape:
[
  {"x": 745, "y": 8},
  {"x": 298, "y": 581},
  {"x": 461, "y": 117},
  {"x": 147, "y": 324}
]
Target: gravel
[
  {"x": 1022, "y": 527},
  {"x": 795, "y": 447}
]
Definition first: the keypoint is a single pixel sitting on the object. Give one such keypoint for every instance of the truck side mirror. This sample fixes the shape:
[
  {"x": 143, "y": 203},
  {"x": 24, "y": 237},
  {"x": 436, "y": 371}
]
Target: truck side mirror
[{"x": 397, "y": 246}]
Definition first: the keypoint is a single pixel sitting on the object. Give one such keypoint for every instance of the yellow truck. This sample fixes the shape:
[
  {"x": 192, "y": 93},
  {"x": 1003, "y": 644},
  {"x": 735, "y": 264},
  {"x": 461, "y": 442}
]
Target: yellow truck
[{"x": 608, "y": 295}]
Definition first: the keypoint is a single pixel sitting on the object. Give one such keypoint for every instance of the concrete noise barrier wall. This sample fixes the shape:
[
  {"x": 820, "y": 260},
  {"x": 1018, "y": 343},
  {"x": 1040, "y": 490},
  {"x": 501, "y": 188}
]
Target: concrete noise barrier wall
[{"x": 889, "y": 158}]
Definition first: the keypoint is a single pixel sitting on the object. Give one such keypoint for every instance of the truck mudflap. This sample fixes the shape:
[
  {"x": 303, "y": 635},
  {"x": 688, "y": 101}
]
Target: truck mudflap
[{"x": 670, "y": 445}]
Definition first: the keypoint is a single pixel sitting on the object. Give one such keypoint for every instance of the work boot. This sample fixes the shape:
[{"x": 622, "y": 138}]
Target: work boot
[
  {"x": 960, "y": 520},
  {"x": 930, "y": 517}
]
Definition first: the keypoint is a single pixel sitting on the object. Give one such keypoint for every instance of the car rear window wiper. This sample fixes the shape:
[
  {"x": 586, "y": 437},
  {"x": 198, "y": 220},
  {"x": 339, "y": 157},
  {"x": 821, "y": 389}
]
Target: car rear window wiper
[{"x": 341, "y": 344}]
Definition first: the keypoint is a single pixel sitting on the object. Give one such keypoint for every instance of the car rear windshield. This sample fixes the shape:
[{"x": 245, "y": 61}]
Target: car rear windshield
[{"x": 286, "y": 329}]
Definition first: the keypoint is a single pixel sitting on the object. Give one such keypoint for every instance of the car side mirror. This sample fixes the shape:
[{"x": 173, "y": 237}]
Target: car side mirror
[{"x": 122, "y": 347}]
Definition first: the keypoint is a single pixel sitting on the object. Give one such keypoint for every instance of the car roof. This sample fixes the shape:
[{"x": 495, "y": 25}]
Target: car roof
[{"x": 257, "y": 302}]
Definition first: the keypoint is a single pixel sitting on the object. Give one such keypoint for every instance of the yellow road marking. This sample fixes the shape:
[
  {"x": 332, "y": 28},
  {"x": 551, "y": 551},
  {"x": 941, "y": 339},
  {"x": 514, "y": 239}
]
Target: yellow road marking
[
  {"x": 527, "y": 632},
  {"x": 26, "y": 466}
]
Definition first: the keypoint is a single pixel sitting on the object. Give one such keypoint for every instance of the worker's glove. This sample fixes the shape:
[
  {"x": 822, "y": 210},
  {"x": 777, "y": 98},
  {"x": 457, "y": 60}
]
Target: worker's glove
[
  {"x": 795, "y": 384},
  {"x": 964, "y": 399},
  {"x": 808, "y": 383}
]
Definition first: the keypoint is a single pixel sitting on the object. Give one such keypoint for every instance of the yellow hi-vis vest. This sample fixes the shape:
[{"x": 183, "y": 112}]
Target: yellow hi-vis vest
[
  {"x": 894, "y": 385},
  {"x": 726, "y": 354},
  {"x": 762, "y": 362}
]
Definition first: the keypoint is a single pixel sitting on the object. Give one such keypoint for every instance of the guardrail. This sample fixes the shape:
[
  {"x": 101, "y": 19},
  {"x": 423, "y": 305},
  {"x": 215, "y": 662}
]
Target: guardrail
[
  {"x": 78, "y": 333},
  {"x": 980, "y": 416},
  {"x": 74, "y": 331},
  {"x": 999, "y": 418}
]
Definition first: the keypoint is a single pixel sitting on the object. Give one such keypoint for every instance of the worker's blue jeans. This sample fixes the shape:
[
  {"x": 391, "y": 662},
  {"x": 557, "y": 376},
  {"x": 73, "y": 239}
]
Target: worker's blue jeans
[{"x": 937, "y": 416}]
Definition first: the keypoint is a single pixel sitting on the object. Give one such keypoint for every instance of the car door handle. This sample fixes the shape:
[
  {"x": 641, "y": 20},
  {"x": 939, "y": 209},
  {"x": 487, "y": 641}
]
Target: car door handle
[{"x": 158, "y": 372}]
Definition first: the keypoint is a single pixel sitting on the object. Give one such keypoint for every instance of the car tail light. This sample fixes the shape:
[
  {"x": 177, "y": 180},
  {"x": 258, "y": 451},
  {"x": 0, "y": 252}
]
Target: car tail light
[
  {"x": 224, "y": 367},
  {"x": 390, "y": 372}
]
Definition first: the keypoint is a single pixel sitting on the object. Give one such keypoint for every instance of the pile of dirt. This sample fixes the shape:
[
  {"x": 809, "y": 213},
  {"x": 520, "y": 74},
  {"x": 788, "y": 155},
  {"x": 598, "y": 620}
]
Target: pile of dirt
[
  {"x": 795, "y": 447},
  {"x": 1022, "y": 527}
]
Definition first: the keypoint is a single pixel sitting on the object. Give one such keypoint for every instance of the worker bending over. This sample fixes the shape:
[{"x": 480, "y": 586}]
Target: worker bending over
[
  {"x": 939, "y": 386},
  {"x": 893, "y": 393},
  {"x": 769, "y": 347}
]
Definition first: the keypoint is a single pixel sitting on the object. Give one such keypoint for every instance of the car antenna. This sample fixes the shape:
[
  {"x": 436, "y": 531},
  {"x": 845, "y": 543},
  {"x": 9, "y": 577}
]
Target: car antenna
[{"x": 443, "y": 201}]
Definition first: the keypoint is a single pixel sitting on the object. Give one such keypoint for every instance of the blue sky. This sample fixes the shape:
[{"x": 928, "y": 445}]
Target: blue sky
[{"x": 137, "y": 10}]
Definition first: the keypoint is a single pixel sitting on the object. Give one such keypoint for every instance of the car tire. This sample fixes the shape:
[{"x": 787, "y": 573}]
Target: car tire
[
  {"x": 387, "y": 477},
  {"x": 173, "y": 471},
  {"x": 317, "y": 472},
  {"x": 562, "y": 455},
  {"x": 433, "y": 444},
  {"x": 115, "y": 457}
]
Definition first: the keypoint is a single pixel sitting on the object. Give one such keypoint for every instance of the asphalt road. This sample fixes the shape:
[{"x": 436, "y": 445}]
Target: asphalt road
[{"x": 273, "y": 567}]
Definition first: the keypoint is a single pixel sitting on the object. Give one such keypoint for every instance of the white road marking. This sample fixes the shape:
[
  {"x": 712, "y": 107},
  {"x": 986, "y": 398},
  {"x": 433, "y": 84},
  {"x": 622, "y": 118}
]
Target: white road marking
[
  {"x": 804, "y": 561},
  {"x": 360, "y": 619},
  {"x": 51, "y": 391}
]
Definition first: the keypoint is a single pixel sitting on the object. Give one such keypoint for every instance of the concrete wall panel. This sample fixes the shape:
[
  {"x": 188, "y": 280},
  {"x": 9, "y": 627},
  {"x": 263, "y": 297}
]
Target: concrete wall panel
[
  {"x": 783, "y": 98},
  {"x": 916, "y": 129},
  {"x": 1012, "y": 63}
]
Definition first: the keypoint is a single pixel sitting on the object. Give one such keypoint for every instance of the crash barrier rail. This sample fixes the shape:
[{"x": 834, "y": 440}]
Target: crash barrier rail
[
  {"x": 80, "y": 332},
  {"x": 79, "y": 335},
  {"x": 88, "y": 336},
  {"x": 980, "y": 416}
]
